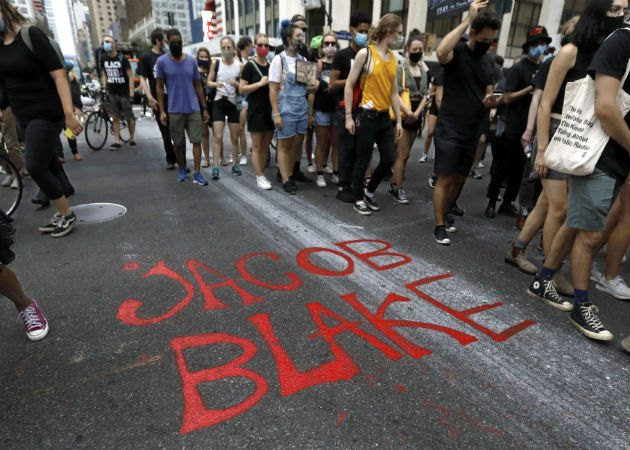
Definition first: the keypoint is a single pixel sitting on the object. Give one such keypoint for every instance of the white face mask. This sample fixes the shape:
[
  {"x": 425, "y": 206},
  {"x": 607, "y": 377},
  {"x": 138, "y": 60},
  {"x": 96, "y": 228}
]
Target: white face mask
[{"x": 330, "y": 50}]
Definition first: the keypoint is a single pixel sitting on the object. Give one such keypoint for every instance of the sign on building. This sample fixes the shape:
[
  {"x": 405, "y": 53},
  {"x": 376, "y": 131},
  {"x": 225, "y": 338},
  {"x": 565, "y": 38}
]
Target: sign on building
[
  {"x": 209, "y": 23},
  {"x": 445, "y": 8}
]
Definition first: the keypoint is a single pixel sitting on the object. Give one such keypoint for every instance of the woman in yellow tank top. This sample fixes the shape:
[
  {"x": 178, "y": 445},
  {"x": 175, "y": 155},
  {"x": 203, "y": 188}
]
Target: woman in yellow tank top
[{"x": 376, "y": 66}]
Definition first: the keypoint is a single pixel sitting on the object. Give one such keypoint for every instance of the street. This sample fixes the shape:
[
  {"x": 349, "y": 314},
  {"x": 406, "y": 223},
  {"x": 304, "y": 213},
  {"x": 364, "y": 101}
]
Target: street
[{"x": 226, "y": 316}]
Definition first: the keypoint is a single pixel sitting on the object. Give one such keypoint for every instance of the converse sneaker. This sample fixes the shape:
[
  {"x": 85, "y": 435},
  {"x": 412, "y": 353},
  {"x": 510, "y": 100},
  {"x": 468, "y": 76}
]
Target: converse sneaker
[
  {"x": 440, "y": 235},
  {"x": 596, "y": 275},
  {"x": 334, "y": 179},
  {"x": 199, "y": 179},
  {"x": 320, "y": 181},
  {"x": 64, "y": 226},
  {"x": 423, "y": 158},
  {"x": 311, "y": 168},
  {"x": 327, "y": 170},
  {"x": 242, "y": 161},
  {"x": 215, "y": 173},
  {"x": 289, "y": 188},
  {"x": 398, "y": 194},
  {"x": 263, "y": 182},
  {"x": 521, "y": 261},
  {"x": 449, "y": 223},
  {"x": 362, "y": 208},
  {"x": 182, "y": 174},
  {"x": 50, "y": 227},
  {"x": 615, "y": 287},
  {"x": 545, "y": 291},
  {"x": 371, "y": 202},
  {"x": 236, "y": 170},
  {"x": 584, "y": 318},
  {"x": 35, "y": 324}
]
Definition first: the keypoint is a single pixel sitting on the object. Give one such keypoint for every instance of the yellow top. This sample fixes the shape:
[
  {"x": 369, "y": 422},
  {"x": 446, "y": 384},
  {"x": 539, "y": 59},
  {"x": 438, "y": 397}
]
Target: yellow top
[{"x": 377, "y": 91}]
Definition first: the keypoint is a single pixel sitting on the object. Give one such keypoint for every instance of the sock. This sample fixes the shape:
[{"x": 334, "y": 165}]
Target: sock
[
  {"x": 520, "y": 244},
  {"x": 580, "y": 296},
  {"x": 546, "y": 273}
]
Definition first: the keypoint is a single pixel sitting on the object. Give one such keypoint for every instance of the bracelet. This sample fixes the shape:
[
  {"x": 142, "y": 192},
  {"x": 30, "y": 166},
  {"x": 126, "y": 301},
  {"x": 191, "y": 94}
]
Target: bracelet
[{"x": 276, "y": 115}]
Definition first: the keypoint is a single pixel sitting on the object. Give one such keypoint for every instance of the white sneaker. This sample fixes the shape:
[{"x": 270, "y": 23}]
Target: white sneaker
[
  {"x": 334, "y": 179},
  {"x": 14, "y": 184},
  {"x": 480, "y": 165},
  {"x": 320, "y": 181},
  {"x": 328, "y": 170},
  {"x": 596, "y": 275},
  {"x": 242, "y": 161},
  {"x": 311, "y": 168},
  {"x": 8, "y": 180},
  {"x": 615, "y": 287},
  {"x": 423, "y": 158},
  {"x": 230, "y": 159},
  {"x": 263, "y": 182}
]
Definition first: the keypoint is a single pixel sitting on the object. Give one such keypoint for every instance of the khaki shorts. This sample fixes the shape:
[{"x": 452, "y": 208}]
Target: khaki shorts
[
  {"x": 590, "y": 200},
  {"x": 190, "y": 123},
  {"x": 119, "y": 107}
]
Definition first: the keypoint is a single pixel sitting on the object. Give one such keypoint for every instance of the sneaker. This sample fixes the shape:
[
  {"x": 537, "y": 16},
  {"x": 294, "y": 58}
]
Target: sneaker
[
  {"x": 521, "y": 261},
  {"x": 615, "y": 287},
  {"x": 398, "y": 194},
  {"x": 230, "y": 160},
  {"x": 371, "y": 202},
  {"x": 440, "y": 235},
  {"x": 480, "y": 165},
  {"x": 456, "y": 210},
  {"x": 584, "y": 318},
  {"x": 625, "y": 344},
  {"x": 545, "y": 291},
  {"x": 423, "y": 158},
  {"x": 236, "y": 170},
  {"x": 64, "y": 226},
  {"x": 289, "y": 188},
  {"x": 132, "y": 144},
  {"x": 50, "y": 227},
  {"x": 215, "y": 173},
  {"x": 596, "y": 275},
  {"x": 182, "y": 174},
  {"x": 311, "y": 168},
  {"x": 449, "y": 224},
  {"x": 35, "y": 324},
  {"x": 328, "y": 170},
  {"x": 14, "y": 184},
  {"x": 115, "y": 147},
  {"x": 476, "y": 173},
  {"x": 362, "y": 208},
  {"x": 200, "y": 180},
  {"x": 242, "y": 161},
  {"x": 170, "y": 166},
  {"x": 299, "y": 176},
  {"x": 490, "y": 211},
  {"x": 320, "y": 181},
  {"x": 345, "y": 195},
  {"x": 263, "y": 182},
  {"x": 563, "y": 286},
  {"x": 432, "y": 182},
  {"x": 334, "y": 179},
  {"x": 8, "y": 180}
]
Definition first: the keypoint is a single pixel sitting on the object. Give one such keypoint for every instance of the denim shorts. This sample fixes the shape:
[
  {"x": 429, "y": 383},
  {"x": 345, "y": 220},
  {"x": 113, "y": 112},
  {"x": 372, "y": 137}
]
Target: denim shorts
[
  {"x": 590, "y": 200},
  {"x": 324, "y": 118},
  {"x": 291, "y": 127}
]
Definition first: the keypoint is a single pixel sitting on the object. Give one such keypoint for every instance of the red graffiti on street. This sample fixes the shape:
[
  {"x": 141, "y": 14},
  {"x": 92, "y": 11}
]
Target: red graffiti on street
[{"x": 340, "y": 366}]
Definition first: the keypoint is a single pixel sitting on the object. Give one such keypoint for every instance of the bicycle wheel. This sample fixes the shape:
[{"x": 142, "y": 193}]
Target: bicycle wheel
[
  {"x": 96, "y": 130},
  {"x": 11, "y": 189},
  {"x": 124, "y": 132}
]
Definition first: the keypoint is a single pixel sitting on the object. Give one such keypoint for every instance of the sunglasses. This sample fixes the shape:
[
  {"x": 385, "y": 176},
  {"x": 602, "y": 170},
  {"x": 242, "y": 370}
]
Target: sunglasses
[
  {"x": 329, "y": 44},
  {"x": 262, "y": 45}
]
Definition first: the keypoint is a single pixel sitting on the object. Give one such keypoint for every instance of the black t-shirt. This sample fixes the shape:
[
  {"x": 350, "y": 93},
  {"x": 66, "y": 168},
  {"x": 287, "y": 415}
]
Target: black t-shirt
[
  {"x": 146, "y": 68},
  {"x": 31, "y": 91},
  {"x": 519, "y": 77},
  {"x": 612, "y": 59},
  {"x": 325, "y": 99},
  {"x": 116, "y": 72},
  {"x": 466, "y": 79},
  {"x": 343, "y": 63},
  {"x": 540, "y": 78},
  {"x": 257, "y": 101}
]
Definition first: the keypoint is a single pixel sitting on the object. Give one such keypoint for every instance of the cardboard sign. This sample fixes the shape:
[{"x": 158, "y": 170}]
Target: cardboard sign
[{"x": 305, "y": 71}]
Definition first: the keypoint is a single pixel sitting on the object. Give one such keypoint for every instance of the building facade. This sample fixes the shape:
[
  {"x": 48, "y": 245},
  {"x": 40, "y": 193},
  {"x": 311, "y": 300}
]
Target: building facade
[{"x": 103, "y": 13}]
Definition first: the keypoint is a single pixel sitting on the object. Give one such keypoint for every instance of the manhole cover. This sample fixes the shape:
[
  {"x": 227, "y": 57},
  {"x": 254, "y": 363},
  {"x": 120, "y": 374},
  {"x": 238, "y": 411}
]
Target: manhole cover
[{"x": 98, "y": 212}]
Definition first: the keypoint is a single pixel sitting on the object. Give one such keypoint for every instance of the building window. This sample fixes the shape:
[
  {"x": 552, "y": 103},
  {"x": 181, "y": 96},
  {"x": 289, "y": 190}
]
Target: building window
[
  {"x": 441, "y": 27},
  {"x": 571, "y": 8},
  {"x": 525, "y": 15},
  {"x": 361, "y": 5},
  {"x": 398, "y": 7}
]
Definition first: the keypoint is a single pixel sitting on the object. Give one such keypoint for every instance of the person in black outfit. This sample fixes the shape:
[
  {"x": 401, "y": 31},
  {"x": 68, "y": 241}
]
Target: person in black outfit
[
  {"x": 510, "y": 159},
  {"x": 38, "y": 93},
  {"x": 359, "y": 26},
  {"x": 146, "y": 70}
]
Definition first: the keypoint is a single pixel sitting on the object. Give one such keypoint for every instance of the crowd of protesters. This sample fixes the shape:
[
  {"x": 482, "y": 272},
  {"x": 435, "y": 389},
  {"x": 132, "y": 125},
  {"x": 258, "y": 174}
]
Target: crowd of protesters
[{"x": 376, "y": 94}]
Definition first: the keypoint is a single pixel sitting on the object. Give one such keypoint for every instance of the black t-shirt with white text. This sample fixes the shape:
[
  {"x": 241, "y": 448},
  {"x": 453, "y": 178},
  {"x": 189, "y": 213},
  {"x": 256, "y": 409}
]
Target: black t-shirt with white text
[
  {"x": 343, "y": 63},
  {"x": 612, "y": 59},
  {"x": 146, "y": 68},
  {"x": 519, "y": 77},
  {"x": 116, "y": 72}
]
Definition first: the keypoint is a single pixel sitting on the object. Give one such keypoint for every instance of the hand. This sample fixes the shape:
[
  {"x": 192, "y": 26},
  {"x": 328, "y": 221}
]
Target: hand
[
  {"x": 350, "y": 125},
  {"x": 74, "y": 125},
  {"x": 153, "y": 104},
  {"x": 264, "y": 81},
  {"x": 492, "y": 101},
  {"x": 398, "y": 131},
  {"x": 233, "y": 83},
  {"x": 527, "y": 137},
  {"x": 311, "y": 120},
  {"x": 314, "y": 83},
  {"x": 206, "y": 116},
  {"x": 539, "y": 164},
  {"x": 164, "y": 118},
  {"x": 277, "y": 121},
  {"x": 475, "y": 6}
]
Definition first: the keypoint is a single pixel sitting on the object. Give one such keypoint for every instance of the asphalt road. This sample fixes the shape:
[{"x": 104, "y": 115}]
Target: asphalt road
[{"x": 229, "y": 317}]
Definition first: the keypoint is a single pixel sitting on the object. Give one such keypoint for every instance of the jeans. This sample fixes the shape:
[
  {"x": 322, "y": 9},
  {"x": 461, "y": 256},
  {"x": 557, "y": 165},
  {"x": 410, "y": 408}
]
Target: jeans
[{"x": 347, "y": 152}]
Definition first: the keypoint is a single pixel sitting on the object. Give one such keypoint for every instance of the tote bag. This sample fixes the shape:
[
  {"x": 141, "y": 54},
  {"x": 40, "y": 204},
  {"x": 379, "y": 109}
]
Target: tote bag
[
  {"x": 580, "y": 139},
  {"x": 404, "y": 96}
]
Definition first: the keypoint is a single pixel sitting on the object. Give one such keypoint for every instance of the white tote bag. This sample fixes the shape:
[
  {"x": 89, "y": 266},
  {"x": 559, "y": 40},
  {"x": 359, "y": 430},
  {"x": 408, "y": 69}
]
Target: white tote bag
[{"x": 580, "y": 139}]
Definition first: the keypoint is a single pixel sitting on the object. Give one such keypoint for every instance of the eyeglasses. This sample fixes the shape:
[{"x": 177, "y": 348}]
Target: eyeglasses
[
  {"x": 618, "y": 11},
  {"x": 329, "y": 44},
  {"x": 262, "y": 45}
]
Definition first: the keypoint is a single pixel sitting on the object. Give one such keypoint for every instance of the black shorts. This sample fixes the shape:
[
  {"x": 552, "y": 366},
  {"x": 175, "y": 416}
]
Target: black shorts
[
  {"x": 416, "y": 125},
  {"x": 454, "y": 154},
  {"x": 433, "y": 109},
  {"x": 222, "y": 108},
  {"x": 484, "y": 126},
  {"x": 259, "y": 122}
]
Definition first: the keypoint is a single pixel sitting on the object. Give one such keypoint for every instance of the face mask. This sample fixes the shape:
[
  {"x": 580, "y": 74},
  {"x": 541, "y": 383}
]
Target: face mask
[
  {"x": 227, "y": 54},
  {"x": 296, "y": 45},
  {"x": 203, "y": 64},
  {"x": 613, "y": 23},
  {"x": 107, "y": 46},
  {"x": 398, "y": 42},
  {"x": 330, "y": 50},
  {"x": 361, "y": 39},
  {"x": 537, "y": 52},
  {"x": 481, "y": 48},
  {"x": 166, "y": 48},
  {"x": 1, "y": 26},
  {"x": 415, "y": 56},
  {"x": 262, "y": 51},
  {"x": 176, "y": 48}
]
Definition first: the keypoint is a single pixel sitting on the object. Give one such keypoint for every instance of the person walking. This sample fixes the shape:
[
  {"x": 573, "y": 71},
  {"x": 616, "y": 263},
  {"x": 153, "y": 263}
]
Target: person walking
[{"x": 203, "y": 65}]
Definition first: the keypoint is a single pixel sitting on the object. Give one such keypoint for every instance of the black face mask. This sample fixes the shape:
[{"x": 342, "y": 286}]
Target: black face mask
[
  {"x": 415, "y": 56},
  {"x": 203, "y": 64},
  {"x": 481, "y": 48},
  {"x": 613, "y": 23},
  {"x": 176, "y": 48}
]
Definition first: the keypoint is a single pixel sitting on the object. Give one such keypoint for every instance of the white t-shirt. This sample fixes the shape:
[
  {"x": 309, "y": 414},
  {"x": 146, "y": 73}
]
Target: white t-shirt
[
  {"x": 225, "y": 74},
  {"x": 275, "y": 69}
]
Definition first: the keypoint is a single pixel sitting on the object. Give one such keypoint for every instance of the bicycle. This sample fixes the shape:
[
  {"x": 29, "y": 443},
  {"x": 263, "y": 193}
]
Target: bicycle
[
  {"x": 10, "y": 195},
  {"x": 99, "y": 123}
]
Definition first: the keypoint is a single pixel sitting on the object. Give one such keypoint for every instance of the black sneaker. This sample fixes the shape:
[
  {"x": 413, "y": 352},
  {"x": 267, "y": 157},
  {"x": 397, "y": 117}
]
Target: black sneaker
[
  {"x": 508, "y": 210},
  {"x": 371, "y": 203},
  {"x": 398, "y": 194},
  {"x": 545, "y": 291},
  {"x": 449, "y": 223},
  {"x": 456, "y": 210},
  {"x": 115, "y": 147},
  {"x": 64, "y": 226},
  {"x": 279, "y": 177},
  {"x": 289, "y": 188},
  {"x": 441, "y": 236},
  {"x": 490, "y": 211},
  {"x": 292, "y": 183},
  {"x": 362, "y": 209},
  {"x": 584, "y": 318},
  {"x": 132, "y": 144},
  {"x": 299, "y": 176},
  {"x": 345, "y": 195},
  {"x": 52, "y": 225}
]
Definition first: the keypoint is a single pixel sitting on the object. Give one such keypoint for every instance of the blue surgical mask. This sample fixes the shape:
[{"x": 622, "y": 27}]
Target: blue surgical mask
[
  {"x": 1, "y": 26},
  {"x": 361, "y": 39},
  {"x": 537, "y": 52},
  {"x": 107, "y": 46},
  {"x": 166, "y": 48}
]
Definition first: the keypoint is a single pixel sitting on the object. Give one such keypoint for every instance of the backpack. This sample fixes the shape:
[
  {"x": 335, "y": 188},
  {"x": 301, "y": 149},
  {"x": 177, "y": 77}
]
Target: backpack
[{"x": 26, "y": 37}]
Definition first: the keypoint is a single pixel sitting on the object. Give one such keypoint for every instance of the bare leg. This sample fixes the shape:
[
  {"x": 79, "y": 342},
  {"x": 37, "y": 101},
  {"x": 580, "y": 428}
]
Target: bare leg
[
  {"x": 197, "y": 157},
  {"x": 11, "y": 288},
  {"x": 533, "y": 223},
  {"x": 481, "y": 150},
  {"x": 131, "y": 126},
  {"x": 63, "y": 208},
  {"x": 217, "y": 146},
  {"x": 234, "y": 137},
  {"x": 286, "y": 157},
  {"x": 557, "y": 196},
  {"x": 560, "y": 248},
  {"x": 403, "y": 150},
  {"x": 116, "y": 127},
  {"x": 322, "y": 149},
  {"x": 432, "y": 121},
  {"x": 446, "y": 191},
  {"x": 582, "y": 256},
  {"x": 205, "y": 143},
  {"x": 241, "y": 135},
  {"x": 619, "y": 237}
]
